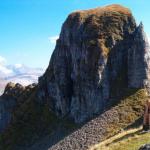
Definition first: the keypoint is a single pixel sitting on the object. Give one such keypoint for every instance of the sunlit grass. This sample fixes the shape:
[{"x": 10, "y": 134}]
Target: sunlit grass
[{"x": 132, "y": 139}]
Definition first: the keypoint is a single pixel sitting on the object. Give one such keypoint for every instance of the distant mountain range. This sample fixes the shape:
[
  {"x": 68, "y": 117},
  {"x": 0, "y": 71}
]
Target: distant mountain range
[{"x": 18, "y": 73}]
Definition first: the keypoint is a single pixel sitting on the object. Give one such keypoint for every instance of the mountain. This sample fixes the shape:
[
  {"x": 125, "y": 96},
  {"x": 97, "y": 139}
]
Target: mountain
[
  {"x": 96, "y": 85},
  {"x": 100, "y": 52},
  {"x": 18, "y": 73}
]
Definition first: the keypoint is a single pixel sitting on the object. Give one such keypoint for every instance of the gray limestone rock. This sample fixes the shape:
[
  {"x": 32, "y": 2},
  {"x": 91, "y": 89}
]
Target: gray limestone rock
[{"x": 98, "y": 53}]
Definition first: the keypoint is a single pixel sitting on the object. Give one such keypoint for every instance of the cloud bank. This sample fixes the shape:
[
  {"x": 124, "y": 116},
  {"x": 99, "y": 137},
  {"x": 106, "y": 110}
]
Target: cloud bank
[
  {"x": 148, "y": 39},
  {"x": 3, "y": 69},
  {"x": 2, "y": 60}
]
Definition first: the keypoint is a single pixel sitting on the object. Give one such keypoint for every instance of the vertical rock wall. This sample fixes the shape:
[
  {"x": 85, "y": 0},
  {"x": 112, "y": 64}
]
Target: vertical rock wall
[{"x": 96, "y": 49}]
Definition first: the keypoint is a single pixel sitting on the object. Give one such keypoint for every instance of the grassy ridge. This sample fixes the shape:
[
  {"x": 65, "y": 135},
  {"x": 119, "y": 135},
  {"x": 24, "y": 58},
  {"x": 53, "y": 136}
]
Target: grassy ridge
[
  {"x": 131, "y": 139},
  {"x": 129, "y": 110}
]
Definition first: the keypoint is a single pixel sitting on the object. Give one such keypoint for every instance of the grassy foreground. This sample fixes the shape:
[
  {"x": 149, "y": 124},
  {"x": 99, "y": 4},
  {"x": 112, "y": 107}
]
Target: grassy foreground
[{"x": 132, "y": 139}]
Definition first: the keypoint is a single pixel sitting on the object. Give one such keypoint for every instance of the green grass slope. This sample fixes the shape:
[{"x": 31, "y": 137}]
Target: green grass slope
[
  {"x": 130, "y": 109},
  {"x": 131, "y": 139}
]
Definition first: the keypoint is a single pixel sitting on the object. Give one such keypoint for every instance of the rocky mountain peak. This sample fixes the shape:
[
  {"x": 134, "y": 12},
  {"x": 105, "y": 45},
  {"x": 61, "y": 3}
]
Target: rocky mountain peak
[
  {"x": 99, "y": 67},
  {"x": 99, "y": 53}
]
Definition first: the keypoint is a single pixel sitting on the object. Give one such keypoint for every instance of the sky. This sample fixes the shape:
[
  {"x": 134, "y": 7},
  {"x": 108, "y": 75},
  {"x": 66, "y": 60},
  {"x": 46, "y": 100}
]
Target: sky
[{"x": 29, "y": 28}]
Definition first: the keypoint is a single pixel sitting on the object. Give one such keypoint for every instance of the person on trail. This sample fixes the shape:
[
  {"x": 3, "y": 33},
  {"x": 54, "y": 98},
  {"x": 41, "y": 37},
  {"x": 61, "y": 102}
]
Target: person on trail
[{"x": 146, "y": 120}]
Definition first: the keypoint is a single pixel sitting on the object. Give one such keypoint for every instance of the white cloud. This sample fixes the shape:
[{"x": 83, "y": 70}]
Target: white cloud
[
  {"x": 2, "y": 60},
  {"x": 3, "y": 68},
  {"x": 18, "y": 65},
  {"x": 53, "y": 39},
  {"x": 149, "y": 39}
]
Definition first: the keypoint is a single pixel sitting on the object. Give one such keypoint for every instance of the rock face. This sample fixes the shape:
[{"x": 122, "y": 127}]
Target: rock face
[
  {"x": 99, "y": 52},
  {"x": 145, "y": 147},
  {"x": 7, "y": 103},
  {"x": 139, "y": 59},
  {"x": 14, "y": 95},
  {"x": 5, "y": 112}
]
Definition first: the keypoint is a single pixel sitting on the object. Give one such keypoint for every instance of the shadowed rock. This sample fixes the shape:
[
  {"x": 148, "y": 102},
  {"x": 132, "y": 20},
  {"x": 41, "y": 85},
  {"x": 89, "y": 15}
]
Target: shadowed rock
[{"x": 14, "y": 95}]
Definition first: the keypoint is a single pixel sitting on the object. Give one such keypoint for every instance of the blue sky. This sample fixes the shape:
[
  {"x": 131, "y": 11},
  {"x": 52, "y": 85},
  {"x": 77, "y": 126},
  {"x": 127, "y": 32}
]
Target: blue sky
[{"x": 28, "y": 27}]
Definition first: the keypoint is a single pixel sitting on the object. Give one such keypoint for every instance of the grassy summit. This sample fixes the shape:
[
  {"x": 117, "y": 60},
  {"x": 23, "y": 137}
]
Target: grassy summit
[{"x": 106, "y": 9}]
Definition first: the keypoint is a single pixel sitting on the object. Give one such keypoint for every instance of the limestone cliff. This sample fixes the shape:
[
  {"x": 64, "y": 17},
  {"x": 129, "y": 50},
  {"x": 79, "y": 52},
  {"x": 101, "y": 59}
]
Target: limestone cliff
[{"x": 99, "y": 53}]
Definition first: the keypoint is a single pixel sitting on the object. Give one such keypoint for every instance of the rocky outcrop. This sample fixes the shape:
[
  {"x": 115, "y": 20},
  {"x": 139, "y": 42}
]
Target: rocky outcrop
[
  {"x": 14, "y": 95},
  {"x": 139, "y": 59},
  {"x": 7, "y": 103},
  {"x": 145, "y": 147},
  {"x": 99, "y": 53}
]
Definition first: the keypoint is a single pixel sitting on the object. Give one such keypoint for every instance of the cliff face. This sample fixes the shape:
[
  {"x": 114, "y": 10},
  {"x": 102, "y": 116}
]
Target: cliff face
[
  {"x": 14, "y": 96},
  {"x": 139, "y": 59},
  {"x": 7, "y": 103},
  {"x": 99, "y": 53}
]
